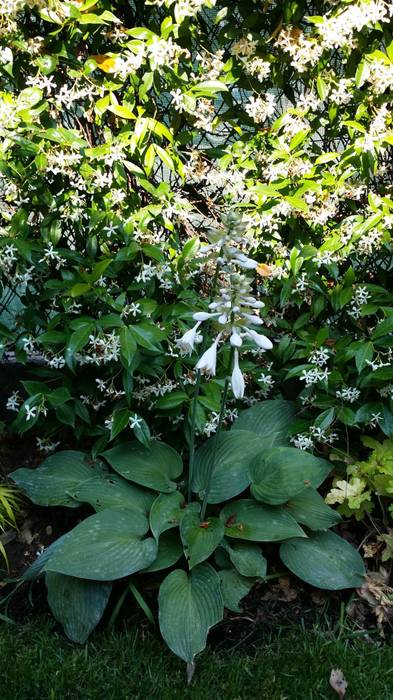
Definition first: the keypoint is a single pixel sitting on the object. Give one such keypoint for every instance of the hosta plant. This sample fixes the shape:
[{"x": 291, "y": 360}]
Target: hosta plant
[{"x": 248, "y": 488}]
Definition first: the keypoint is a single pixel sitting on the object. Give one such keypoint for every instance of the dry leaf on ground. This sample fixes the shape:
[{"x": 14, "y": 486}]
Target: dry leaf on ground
[{"x": 338, "y": 682}]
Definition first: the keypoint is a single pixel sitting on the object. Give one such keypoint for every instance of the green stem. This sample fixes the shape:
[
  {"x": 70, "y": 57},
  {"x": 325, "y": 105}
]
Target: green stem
[
  {"x": 191, "y": 459},
  {"x": 216, "y": 439},
  {"x": 192, "y": 435}
]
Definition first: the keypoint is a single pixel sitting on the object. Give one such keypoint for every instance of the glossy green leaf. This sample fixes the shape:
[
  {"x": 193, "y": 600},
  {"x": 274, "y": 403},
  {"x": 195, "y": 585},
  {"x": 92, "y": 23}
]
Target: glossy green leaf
[
  {"x": 248, "y": 520},
  {"x": 235, "y": 451},
  {"x": 166, "y": 512},
  {"x": 247, "y": 558},
  {"x": 111, "y": 490},
  {"x": 77, "y": 604},
  {"x": 324, "y": 560},
  {"x": 200, "y": 539},
  {"x": 189, "y": 605},
  {"x": 127, "y": 346},
  {"x": 170, "y": 549},
  {"x": 280, "y": 473},
  {"x": 269, "y": 419},
  {"x": 155, "y": 466},
  {"x": 309, "y": 508},
  {"x": 234, "y": 588},
  {"x": 106, "y": 546},
  {"x": 54, "y": 482}
]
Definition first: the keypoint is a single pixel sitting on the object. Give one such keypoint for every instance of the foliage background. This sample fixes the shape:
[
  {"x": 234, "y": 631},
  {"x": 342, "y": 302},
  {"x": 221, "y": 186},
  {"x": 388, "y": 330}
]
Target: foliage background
[{"x": 128, "y": 129}]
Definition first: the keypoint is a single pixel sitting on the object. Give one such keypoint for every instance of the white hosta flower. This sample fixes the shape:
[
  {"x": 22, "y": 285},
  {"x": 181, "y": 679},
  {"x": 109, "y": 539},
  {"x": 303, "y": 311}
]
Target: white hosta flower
[
  {"x": 207, "y": 363},
  {"x": 237, "y": 379},
  {"x": 187, "y": 341},
  {"x": 261, "y": 340},
  {"x": 235, "y": 339}
]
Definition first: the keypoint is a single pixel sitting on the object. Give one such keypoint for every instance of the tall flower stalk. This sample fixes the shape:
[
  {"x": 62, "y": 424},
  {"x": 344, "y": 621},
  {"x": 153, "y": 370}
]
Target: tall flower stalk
[{"x": 232, "y": 312}]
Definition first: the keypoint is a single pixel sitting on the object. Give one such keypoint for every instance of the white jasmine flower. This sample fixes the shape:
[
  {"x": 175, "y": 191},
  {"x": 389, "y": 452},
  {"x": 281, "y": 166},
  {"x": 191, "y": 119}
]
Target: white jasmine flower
[
  {"x": 13, "y": 401},
  {"x": 135, "y": 421},
  {"x": 31, "y": 412}
]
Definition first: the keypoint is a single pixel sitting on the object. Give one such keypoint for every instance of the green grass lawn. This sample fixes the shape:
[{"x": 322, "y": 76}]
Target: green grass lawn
[{"x": 38, "y": 664}]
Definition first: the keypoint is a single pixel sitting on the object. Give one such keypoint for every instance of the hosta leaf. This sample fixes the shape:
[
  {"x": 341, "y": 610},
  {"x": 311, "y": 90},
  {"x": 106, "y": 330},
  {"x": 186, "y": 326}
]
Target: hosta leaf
[
  {"x": 268, "y": 419},
  {"x": 234, "y": 587},
  {"x": 200, "y": 539},
  {"x": 324, "y": 560},
  {"x": 189, "y": 605},
  {"x": 155, "y": 466},
  {"x": 170, "y": 550},
  {"x": 166, "y": 512},
  {"x": 309, "y": 508},
  {"x": 111, "y": 490},
  {"x": 248, "y": 520},
  {"x": 55, "y": 480},
  {"x": 35, "y": 569},
  {"x": 106, "y": 546},
  {"x": 247, "y": 558},
  {"x": 77, "y": 604},
  {"x": 282, "y": 472},
  {"x": 235, "y": 451}
]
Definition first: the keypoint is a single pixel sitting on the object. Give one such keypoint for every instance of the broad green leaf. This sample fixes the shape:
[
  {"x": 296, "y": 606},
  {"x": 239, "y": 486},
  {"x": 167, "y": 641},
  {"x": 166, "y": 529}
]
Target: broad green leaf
[
  {"x": 106, "y": 546},
  {"x": 77, "y": 604},
  {"x": 269, "y": 419},
  {"x": 170, "y": 550},
  {"x": 200, "y": 539},
  {"x": 55, "y": 480},
  {"x": 166, "y": 512},
  {"x": 247, "y": 558},
  {"x": 234, "y": 587},
  {"x": 324, "y": 560},
  {"x": 189, "y": 605},
  {"x": 282, "y": 472},
  {"x": 232, "y": 453},
  {"x": 155, "y": 466},
  {"x": 120, "y": 420},
  {"x": 127, "y": 346},
  {"x": 111, "y": 490},
  {"x": 248, "y": 520},
  {"x": 309, "y": 508},
  {"x": 35, "y": 569},
  {"x": 364, "y": 353}
]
